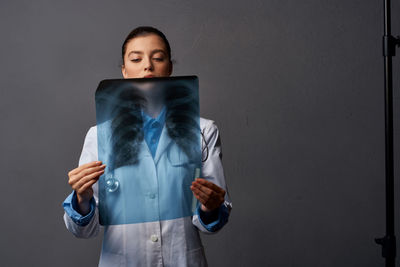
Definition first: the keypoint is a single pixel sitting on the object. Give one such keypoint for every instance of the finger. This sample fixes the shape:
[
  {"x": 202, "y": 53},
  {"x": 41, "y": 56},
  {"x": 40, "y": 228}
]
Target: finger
[
  {"x": 84, "y": 166},
  {"x": 210, "y": 205},
  {"x": 94, "y": 176},
  {"x": 213, "y": 198},
  {"x": 209, "y": 184},
  {"x": 210, "y": 192},
  {"x": 91, "y": 170},
  {"x": 201, "y": 194},
  {"x": 86, "y": 172},
  {"x": 202, "y": 200},
  {"x": 204, "y": 189},
  {"x": 86, "y": 186}
]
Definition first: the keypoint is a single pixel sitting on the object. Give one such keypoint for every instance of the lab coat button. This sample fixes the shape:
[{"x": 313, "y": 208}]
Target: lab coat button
[
  {"x": 152, "y": 196},
  {"x": 154, "y": 238}
]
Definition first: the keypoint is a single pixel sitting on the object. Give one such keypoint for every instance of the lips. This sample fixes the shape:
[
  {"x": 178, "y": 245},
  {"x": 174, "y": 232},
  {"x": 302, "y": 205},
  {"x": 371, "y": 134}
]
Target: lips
[{"x": 148, "y": 76}]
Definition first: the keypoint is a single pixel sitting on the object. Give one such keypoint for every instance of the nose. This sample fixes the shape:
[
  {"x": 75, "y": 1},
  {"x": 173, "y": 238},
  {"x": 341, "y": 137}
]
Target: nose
[{"x": 148, "y": 65}]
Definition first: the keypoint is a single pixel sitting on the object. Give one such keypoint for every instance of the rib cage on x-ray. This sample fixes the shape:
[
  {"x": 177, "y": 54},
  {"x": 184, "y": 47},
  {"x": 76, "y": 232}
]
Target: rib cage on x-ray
[
  {"x": 127, "y": 123},
  {"x": 128, "y": 181},
  {"x": 180, "y": 123},
  {"x": 126, "y": 128}
]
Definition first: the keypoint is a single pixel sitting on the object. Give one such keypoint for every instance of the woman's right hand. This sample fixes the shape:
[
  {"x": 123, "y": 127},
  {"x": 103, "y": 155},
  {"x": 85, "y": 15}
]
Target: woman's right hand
[{"x": 81, "y": 180}]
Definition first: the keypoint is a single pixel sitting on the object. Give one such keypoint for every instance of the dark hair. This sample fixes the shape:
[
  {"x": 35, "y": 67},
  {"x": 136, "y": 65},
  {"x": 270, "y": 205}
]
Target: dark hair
[{"x": 143, "y": 31}]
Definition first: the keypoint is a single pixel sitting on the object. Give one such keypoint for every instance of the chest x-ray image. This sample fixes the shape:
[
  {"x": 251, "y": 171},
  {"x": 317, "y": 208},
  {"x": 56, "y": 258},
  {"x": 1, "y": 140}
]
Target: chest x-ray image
[{"x": 149, "y": 138}]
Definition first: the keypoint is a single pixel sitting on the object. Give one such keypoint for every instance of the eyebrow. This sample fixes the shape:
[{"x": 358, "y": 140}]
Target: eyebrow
[{"x": 141, "y": 53}]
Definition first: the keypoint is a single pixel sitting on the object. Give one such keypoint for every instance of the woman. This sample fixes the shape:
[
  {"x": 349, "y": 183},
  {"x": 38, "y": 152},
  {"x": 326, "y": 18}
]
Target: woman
[{"x": 146, "y": 53}]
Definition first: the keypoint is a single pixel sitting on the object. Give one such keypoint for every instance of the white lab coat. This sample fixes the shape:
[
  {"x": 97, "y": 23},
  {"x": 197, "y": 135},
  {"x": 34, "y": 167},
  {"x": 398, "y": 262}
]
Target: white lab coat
[{"x": 174, "y": 242}]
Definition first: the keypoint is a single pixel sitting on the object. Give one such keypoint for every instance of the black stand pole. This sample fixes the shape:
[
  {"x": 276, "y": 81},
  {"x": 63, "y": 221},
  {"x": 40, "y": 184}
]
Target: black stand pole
[{"x": 388, "y": 242}]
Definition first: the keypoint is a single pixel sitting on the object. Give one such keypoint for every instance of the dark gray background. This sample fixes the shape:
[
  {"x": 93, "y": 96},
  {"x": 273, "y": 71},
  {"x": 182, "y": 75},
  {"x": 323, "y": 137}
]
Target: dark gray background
[{"x": 296, "y": 88}]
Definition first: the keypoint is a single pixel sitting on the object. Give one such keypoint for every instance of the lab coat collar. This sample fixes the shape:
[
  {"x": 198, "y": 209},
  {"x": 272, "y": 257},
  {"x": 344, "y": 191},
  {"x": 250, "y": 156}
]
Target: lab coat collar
[{"x": 163, "y": 144}]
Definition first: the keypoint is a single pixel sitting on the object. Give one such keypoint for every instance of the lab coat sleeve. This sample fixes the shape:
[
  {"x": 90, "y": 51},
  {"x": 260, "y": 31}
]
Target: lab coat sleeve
[
  {"x": 71, "y": 208},
  {"x": 212, "y": 170},
  {"x": 91, "y": 228}
]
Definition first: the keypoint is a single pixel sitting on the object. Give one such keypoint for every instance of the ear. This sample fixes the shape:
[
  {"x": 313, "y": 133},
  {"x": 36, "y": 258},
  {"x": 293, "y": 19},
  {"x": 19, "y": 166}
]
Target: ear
[
  {"x": 123, "y": 70},
  {"x": 171, "y": 67}
]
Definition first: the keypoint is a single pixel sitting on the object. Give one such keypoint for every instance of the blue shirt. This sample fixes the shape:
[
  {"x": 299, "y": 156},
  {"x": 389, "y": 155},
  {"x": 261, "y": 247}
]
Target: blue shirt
[{"x": 152, "y": 128}]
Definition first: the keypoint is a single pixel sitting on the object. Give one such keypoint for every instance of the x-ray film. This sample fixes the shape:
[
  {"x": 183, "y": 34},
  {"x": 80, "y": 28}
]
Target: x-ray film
[{"x": 149, "y": 137}]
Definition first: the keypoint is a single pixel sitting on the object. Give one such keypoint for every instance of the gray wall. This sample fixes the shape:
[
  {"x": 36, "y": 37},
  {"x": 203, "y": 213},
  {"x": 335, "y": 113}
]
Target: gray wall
[{"x": 296, "y": 88}]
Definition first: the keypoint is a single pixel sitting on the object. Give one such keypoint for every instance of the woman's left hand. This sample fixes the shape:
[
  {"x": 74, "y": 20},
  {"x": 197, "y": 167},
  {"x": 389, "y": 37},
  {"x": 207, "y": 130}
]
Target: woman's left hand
[{"x": 209, "y": 194}]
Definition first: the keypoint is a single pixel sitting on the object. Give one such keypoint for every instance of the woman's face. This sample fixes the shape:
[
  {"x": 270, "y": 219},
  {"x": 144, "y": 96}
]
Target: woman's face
[{"x": 146, "y": 57}]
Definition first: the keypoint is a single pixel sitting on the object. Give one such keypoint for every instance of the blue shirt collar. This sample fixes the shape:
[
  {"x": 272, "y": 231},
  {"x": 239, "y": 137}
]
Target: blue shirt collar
[{"x": 148, "y": 120}]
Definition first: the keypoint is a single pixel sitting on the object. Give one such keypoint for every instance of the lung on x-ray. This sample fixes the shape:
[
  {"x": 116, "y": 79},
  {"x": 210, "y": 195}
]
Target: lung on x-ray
[{"x": 148, "y": 180}]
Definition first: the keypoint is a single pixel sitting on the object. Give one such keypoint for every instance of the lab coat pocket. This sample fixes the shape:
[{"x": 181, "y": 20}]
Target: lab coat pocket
[
  {"x": 175, "y": 179},
  {"x": 178, "y": 158},
  {"x": 182, "y": 166}
]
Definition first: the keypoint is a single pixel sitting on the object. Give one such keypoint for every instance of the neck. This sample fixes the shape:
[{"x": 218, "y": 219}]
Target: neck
[{"x": 153, "y": 108}]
